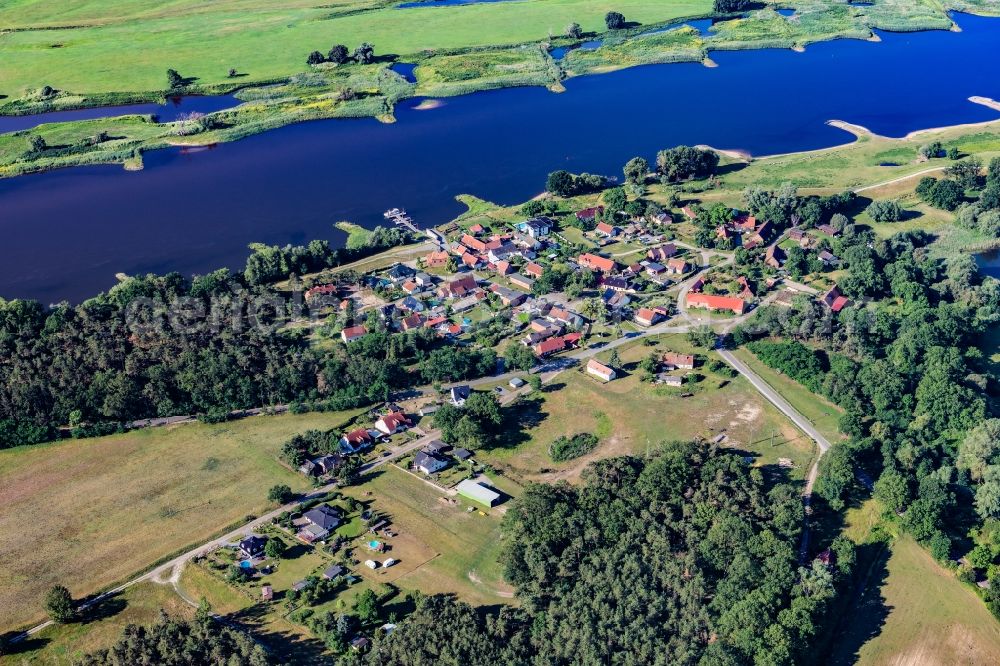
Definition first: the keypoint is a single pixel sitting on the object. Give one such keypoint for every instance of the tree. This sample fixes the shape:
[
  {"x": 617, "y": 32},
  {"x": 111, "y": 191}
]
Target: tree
[
  {"x": 561, "y": 183},
  {"x": 615, "y": 200},
  {"x": 365, "y": 54},
  {"x": 891, "y": 489},
  {"x": 614, "y": 20},
  {"x": 275, "y": 548},
  {"x": 232, "y": 73},
  {"x": 886, "y": 210},
  {"x": 532, "y": 208},
  {"x": 684, "y": 162},
  {"x": 366, "y": 606},
  {"x": 59, "y": 604},
  {"x": 36, "y": 144},
  {"x": 174, "y": 80},
  {"x": 574, "y": 31},
  {"x": 966, "y": 173},
  {"x": 931, "y": 150},
  {"x": 281, "y": 494},
  {"x": 946, "y": 194},
  {"x": 519, "y": 356},
  {"x": 703, "y": 336},
  {"x": 615, "y": 361},
  {"x": 315, "y": 58},
  {"x": 636, "y": 170},
  {"x": 339, "y": 54},
  {"x": 731, "y": 6}
]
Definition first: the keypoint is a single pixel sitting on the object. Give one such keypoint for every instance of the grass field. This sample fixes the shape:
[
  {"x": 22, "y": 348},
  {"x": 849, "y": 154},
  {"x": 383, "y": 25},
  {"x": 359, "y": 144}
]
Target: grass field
[
  {"x": 631, "y": 417},
  {"x": 913, "y": 611},
  {"x": 127, "y": 44},
  {"x": 89, "y": 513},
  {"x": 61, "y": 645},
  {"x": 823, "y": 414}
]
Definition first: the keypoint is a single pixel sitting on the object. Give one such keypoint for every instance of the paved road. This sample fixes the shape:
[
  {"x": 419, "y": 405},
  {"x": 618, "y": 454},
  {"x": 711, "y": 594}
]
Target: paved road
[
  {"x": 798, "y": 419},
  {"x": 169, "y": 568}
]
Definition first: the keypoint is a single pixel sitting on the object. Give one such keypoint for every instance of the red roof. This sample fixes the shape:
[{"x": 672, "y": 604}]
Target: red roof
[
  {"x": 605, "y": 228},
  {"x": 534, "y": 269},
  {"x": 461, "y": 286},
  {"x": 550, "y": 346},
  {"x": 840, "y": 303},
  {"x": 436, "y": 259},
  {"x": 353, "y": 332},
  {"x": 572, "y": 339},
  {"x": 411, "y": 322},
  {"x": 594, "y": 262},
  {"x": 716, "y": 302},
  {"x": 646, "y": 316},
  {"x": 590, "y": 213},
  {"x": 688, "y": 213},
  {"x": 430, "y": 323},
  {"x": 358, "y": 436},
  {"x": 476, "y": 229},
  {"x": 473, "y": 243},
  {"x": 395, "y": 419},
  {"x": 321, "y": 289}
]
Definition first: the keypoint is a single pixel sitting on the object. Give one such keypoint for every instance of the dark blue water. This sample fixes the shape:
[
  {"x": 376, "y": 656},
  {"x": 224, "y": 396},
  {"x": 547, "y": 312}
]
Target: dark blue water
[
  {"x": 66, "y": 233},
  {"x": 405, "y": 69},
  {"x": 167, "y": 112}
]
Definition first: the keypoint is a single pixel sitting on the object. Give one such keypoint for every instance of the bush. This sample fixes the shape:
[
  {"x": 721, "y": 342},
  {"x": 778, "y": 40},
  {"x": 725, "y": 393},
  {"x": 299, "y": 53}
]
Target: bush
[
  {"x": 564, "y": 448},
  {"x": 614, "y": 20},
  {"x": 887, "y": 210}
]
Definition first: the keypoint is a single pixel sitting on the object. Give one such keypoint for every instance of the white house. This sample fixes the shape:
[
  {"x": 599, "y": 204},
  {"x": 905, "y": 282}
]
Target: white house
[{"x": 601, "y": 371}]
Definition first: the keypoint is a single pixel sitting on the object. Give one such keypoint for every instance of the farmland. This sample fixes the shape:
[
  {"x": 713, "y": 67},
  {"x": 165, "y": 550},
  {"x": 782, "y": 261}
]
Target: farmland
[
  {"x": 912, "y": 610},
  {"x": 88, "y": 514}
]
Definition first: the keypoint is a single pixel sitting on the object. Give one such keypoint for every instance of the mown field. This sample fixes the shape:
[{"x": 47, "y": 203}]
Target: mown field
[
  {"x": 912, "y": 611},
  {"x": 128, "y": 45},
  {"x": 93, "y": 512}
]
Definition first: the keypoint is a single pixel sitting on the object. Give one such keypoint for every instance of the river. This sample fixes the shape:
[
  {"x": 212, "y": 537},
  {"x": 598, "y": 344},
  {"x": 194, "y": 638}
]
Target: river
[{"x": 66, "y": 233}]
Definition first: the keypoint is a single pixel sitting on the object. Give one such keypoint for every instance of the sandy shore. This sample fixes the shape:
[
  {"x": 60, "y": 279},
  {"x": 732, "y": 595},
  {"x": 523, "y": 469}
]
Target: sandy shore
[
  {"x": 862, "y": 131},
  {"x": 429, "y": 104}
]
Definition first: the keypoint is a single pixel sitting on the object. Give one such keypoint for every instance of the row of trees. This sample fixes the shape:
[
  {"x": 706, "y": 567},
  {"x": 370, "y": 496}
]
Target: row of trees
[{"x": 363, "y": 55}]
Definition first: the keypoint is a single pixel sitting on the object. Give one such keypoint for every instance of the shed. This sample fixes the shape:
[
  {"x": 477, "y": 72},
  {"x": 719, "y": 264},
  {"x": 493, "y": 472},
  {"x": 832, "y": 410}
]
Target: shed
[{"x": 477, "y": 492}]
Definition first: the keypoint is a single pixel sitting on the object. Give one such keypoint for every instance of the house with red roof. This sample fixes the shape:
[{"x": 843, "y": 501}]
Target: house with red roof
[
  {"x": 713, "y": 302},
  {"x": 835, "y": 300},
  {"x": 320, "y": 290},
  {"x": 550, "y": 346},
  {"x": 436, "y": 260},
  {"x": 663, "y": 253},
  {"x": 747, "y": 292},
  {"x": 689, "y": 213},
  {"x": 460, "y": 287},
  {"x": 678, "y": 267},
  {"x": 471, "y": 260},
  {"x": 534, "y": 270},
  {"x": 678, "y": 361},
  {"x": 354, "y": 441},
  {"x": 476, "y": 229},
  {"x": 596, "y": 263},
  {"x": 353, "y": 333},
  {"x": 503, "y": 267},
  {"x": 590, "y": 214},
  {"x": 647, "y": 317},
  {"x": 412, "y": 322},
  {"x": 473, "y": 243},
  {"x": 393, "y": 422},
  {"x": 606, "y": 230},
  {"x": 745, "y": 223},
  {"x": 601, "y": 371}
]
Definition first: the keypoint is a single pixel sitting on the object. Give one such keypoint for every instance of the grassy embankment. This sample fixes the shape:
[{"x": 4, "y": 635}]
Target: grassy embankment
[
  {"x": 458, "y": 49},
  {"x": 91, "y": 513},
  {"x": 909, "y": 610}
]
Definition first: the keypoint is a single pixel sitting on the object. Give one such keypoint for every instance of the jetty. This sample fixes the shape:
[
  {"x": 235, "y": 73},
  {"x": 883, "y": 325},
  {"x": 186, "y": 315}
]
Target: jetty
[{"x": 400, "y": 218}]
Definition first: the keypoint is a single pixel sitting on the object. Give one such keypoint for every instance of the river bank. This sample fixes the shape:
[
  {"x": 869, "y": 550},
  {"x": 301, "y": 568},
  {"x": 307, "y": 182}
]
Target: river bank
[
  {"x": 329, "y": 91},
  {"x": 195, "y": 211}
]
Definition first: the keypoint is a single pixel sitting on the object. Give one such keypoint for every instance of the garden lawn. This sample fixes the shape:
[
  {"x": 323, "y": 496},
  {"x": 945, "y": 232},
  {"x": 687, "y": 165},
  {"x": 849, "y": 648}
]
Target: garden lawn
[{"x": 89, "y": 513}]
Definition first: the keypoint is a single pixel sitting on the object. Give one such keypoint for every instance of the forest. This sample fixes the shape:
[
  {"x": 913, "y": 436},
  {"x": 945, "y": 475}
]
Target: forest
[{"x": 685, "y": 557}]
